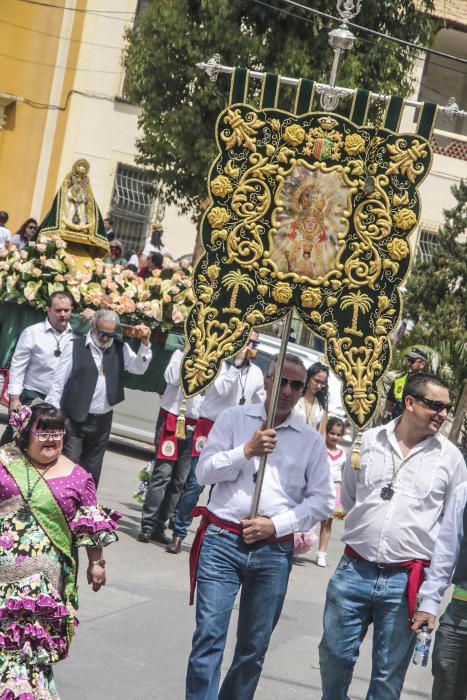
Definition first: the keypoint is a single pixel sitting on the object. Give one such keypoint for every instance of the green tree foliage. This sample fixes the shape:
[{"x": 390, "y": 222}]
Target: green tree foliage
[
  {"x": 180, "y": 104},
  {"x": 436, "y": 299}
]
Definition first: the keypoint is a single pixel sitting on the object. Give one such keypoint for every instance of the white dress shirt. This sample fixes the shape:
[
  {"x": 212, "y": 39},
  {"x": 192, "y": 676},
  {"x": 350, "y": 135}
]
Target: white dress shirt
[
  {"x": 34, "y": 364},
  {"x": 5, "y": 237},
  {"x": 446, "y": 552},
  {"x": 405, "y": 527},
  {"x": 297, "y": 489},
  {"x": 136, "y": 363},
  {"x": 230, "y": 387},
  {"x": 172, "y": 397}
]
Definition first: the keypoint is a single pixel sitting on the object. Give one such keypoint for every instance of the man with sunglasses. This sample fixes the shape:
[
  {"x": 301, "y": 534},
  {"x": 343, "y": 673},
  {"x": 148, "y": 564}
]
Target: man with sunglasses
[
  {"x": 416, "y": 362},
  {"x": 240, "y": 382},
  {"x": 233, "y": 550},
  {"x": 395, "y": 501},
  {"x": 89, "y": 382}
]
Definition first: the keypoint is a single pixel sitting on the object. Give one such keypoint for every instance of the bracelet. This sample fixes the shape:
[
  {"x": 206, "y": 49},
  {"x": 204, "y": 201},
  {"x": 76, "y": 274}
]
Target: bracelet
[{"x": 97, "y": 562}]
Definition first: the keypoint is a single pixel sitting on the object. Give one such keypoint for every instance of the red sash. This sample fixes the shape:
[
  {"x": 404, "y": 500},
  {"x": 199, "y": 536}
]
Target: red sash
[
  {"x": 414, "y": 582},
  {"x": 206, "y": 518},
  {"x": 167, "y": 448},
  {"x": 202, "y": 430}
]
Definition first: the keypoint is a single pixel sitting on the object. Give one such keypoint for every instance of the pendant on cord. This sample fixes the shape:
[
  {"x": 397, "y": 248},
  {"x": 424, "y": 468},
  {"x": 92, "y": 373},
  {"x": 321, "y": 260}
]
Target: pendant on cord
[
  {"x": 57, "y": 352},
  {"x": 387, "y": 492},
  {"x": 242, "y": 401}
]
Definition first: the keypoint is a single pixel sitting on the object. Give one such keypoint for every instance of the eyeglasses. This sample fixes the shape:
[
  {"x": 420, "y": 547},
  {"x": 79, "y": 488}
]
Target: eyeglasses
[
  {"x": 295, "y": 384},
  {"x": 32, "y": 226},
  {"x": 319, "y": 382},
  {"x": 43, "y": 437},
  {"x": 104, "y": 334},
  {"x": 253, "y": 343},
  {"x": 436, "y": 406}
]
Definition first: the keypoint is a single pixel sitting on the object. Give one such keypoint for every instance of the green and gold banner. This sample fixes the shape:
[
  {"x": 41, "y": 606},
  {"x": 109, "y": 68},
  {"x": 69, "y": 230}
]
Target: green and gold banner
[{"x": 311, "y": 211}]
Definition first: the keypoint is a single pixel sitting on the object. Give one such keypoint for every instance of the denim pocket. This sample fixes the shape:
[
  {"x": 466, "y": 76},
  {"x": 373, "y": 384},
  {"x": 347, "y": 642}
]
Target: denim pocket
[
  {"x": 214, "y": 530},
  {"x": 285, "y": 547},
  {"x": 344, "y": 563}
]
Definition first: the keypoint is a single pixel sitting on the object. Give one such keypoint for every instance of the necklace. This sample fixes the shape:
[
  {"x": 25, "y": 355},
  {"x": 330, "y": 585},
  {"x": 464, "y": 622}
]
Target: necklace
[
  {"x": 308, "y": 411},
  {"x": 24, "y": 513},
  {"x": 243, "y": 385},
  {"x": 387, "y": 492},
  {"x": 58, "y": 349}
]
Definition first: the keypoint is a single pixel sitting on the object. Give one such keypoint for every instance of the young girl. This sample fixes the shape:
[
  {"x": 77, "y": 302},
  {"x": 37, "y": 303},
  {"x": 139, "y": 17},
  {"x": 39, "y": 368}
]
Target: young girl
[{"x": 336, "y": 459}]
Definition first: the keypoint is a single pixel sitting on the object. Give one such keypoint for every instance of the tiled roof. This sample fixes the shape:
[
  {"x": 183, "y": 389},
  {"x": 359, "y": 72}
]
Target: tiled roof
[
  {"x": 451, "y": 10},
  {"x": 454, "y": 149}
]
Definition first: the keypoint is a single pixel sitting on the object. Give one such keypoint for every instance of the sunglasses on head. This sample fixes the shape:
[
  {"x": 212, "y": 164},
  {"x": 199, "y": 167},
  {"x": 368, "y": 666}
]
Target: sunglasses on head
[
  {"x": 433, "y": 405},
  {"x": 104, "y": 334},
  {"x": 295, "y": 384}
]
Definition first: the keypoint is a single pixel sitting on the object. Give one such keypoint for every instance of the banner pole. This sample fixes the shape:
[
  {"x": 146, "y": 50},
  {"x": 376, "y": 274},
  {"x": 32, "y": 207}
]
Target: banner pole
[{"x": 272, "y": 409}]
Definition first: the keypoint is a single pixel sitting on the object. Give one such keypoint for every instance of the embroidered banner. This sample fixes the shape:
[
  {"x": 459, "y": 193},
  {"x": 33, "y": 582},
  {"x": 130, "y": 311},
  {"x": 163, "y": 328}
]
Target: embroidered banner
[{"x": 312, "y": 212}]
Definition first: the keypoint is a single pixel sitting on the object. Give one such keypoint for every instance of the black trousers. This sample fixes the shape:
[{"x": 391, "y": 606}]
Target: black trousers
[
  {"x": 166, "y": 484},
  {"x": 450, "y": 654},
  {"x": 87, "y": 441},
  {"x": 26, "y": 398}
]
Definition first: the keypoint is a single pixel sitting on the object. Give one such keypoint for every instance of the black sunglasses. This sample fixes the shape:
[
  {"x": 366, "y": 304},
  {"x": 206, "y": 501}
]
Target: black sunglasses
[
  {"x": 295, "y": 384},
  {"x": 104, "y": 334},
  {"x": 433, "y": 405}
]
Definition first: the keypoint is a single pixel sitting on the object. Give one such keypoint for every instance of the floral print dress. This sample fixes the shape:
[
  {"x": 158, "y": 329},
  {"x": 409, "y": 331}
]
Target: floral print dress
[{"x": 33, "y": 614}]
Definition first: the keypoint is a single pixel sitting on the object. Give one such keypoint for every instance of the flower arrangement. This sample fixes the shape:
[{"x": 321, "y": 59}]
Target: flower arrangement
[{"x": 31, "y": 275}]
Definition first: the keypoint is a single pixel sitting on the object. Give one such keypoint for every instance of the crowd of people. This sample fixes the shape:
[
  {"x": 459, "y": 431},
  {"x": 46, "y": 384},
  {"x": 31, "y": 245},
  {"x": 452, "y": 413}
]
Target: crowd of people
[{"x": 62, "y": 390}]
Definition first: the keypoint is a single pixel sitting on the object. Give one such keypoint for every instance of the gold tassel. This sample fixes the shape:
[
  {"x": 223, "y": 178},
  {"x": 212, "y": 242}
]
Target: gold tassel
[
  {"x": 180, "y": 431},
  {"x": 355, "y": 455}
]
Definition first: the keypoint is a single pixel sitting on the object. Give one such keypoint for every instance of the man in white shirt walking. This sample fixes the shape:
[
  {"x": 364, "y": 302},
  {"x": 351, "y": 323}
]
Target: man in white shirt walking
[
  {"x": 5, "y": 233},
  {"x": 89, "y": 382},
  {"x": 240, "y": 382},
  {"x": 394, "y": 505},
  {"x": 449, "y": 563},
  {"x": 173, "y": 456},
  {"x": 252, "y": 553},
  {"x": 37, "y": 355}
]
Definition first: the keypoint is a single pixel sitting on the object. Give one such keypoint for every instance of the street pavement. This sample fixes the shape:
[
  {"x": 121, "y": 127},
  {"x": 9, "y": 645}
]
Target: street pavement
[{"x": 134, "y": 636}]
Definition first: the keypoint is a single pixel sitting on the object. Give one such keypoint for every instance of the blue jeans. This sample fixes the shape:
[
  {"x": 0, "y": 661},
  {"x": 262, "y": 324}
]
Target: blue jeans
[
  {"x": 360, "y": 594},
  {"x": 187, "y": 502},
  {"x": 262, "y": 571}
]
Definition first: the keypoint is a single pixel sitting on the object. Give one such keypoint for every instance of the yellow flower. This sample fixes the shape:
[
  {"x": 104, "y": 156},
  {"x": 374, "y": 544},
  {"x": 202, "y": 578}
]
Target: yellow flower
[
  {"x": 282, "y": 292},
  {"x": 405, "y": 219},
  {"x": 262, "y": 289},
  {"x": 315, "y": 316},
  {"x": 294, "y": 134},
  {"x": 270, "y": 309},
  {"x": 218, "y": 217},
  {"x": 398, "y": 249},
  {"x": 221, "y": 187},
  {"x": 276, "y": 125},
  {"x": 311, "y": 298},
  {"x": 383, "y": 302},
  {"x": 354, "y": 144},
  {"x": 213, "y": 272}
]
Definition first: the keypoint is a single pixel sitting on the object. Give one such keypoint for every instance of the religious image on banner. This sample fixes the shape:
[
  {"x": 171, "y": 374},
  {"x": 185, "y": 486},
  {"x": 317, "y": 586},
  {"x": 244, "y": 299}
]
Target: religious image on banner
[
  {"x": 309, "y": 222},
  {"x": 309, "y": 211}
]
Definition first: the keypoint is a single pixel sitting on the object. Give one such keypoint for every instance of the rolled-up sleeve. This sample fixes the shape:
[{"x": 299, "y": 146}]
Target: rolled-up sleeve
[
  {"x": 318, "y": 502},
  {"x": 137, "y": 362},
  {"x": 20, "y": 362}
]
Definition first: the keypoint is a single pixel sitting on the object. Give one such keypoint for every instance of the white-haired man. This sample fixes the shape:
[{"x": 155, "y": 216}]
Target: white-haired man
[{"x": 89, "y": 382}]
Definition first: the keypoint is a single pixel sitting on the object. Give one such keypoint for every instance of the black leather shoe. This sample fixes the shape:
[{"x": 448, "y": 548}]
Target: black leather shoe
[
  {"x": 160, "y": 536},
  {"x": 143, "y": 537}
]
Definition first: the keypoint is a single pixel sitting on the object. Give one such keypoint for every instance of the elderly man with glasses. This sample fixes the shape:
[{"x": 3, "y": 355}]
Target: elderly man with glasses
[
  {"x": 89, "y": 382},
  {"x": 254, "y": 554},
  {"x": 395, "y": 501}
]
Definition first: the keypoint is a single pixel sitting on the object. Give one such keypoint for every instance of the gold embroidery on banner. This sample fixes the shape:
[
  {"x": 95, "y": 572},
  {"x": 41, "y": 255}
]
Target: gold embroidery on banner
[{"x": 291, "y": 224}]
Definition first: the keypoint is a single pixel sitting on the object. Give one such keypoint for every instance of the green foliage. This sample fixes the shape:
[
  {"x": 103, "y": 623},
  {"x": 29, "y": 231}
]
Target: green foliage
[
  {"x": 435, "y": 298},
  {"x": 180, "y": 104}
]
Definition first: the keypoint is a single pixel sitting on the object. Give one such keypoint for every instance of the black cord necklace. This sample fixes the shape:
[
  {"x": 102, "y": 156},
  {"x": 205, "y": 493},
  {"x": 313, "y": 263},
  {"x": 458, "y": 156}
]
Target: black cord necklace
[{"x": 243, "y": 385}]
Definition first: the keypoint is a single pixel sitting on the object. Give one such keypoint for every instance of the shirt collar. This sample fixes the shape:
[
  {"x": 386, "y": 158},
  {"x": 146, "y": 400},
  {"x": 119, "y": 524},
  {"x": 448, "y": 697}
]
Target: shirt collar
[
  {"x": 258, "y": 410},
  {"x": 389, "y": 431},
  {"x": 48, "y": 327}
]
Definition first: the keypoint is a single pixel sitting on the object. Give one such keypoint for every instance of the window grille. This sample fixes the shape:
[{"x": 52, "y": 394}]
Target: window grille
[
  {"x": 132, "y": 206},
  {"x": 427, "y": 242}
]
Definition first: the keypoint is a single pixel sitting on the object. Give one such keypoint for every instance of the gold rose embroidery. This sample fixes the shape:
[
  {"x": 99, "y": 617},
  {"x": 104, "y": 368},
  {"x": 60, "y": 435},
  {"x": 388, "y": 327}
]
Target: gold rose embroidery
[
  {"x": 282, "y": 292},
  {"x": 311, "y": 298},
  {"x": 270, "y": 309},
  {"x": 398, "y": 249},
  {"x": 218, "y": 217},
  {"x": 405, "y": 219},
  {"x": 221, "y": 186},
  {"x": 294, "y": 134},
  {"x": 354, "y": 144}
]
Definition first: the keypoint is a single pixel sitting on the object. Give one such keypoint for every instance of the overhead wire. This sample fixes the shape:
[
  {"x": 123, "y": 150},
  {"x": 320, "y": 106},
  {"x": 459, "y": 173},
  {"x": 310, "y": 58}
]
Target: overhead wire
[{"x": 79, "y": 10}]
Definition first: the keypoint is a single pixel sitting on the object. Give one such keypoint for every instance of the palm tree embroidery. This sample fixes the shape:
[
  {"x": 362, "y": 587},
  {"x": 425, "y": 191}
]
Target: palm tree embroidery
[
  {"x": 360, "y": 302},
  {"x": 235, "y": 280}
]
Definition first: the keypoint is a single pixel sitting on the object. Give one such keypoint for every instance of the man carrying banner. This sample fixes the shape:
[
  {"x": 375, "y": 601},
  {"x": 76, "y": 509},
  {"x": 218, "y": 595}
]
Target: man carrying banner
[
  {"x": 252, "y": 553},
  {"x": 394, "y": 503}
]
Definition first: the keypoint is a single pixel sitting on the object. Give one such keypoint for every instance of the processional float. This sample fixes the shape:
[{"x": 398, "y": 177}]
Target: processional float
[{"x": 309, "y": 211}]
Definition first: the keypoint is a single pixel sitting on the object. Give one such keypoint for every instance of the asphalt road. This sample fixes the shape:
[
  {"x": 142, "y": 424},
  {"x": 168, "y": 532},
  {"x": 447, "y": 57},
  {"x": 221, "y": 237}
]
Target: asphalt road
[{"x": 134, "y": 635}]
